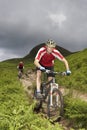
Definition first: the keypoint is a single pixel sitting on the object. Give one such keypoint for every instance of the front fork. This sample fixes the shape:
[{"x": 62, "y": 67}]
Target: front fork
[{"x": 52, "y": 87}]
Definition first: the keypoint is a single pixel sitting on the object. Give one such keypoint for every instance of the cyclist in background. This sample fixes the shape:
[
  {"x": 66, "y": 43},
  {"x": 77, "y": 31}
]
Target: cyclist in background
[
  {"x": 20, "y": 68},
  {"x": 45, "y": 60}
]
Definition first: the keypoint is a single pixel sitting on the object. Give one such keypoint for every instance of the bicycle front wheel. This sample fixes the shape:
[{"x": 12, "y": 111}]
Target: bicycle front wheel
[{"x": 55, "y": 105}]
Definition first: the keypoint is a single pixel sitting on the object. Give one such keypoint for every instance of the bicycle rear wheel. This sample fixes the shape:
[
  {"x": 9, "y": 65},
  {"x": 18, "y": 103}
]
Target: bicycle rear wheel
[{"x": 55, "y": 110}]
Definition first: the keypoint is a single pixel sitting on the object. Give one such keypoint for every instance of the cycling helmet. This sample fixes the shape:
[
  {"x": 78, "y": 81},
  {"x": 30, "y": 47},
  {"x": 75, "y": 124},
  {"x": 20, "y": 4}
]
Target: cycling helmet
[
  {"x": 51, "y": 43},
  {"x": 21, "y": 62}
]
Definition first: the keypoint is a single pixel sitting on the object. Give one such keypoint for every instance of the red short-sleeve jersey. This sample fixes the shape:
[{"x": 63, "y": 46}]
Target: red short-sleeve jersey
[
  {"x": 21, "y": 65},
  {"x": 46, "y": 59}
]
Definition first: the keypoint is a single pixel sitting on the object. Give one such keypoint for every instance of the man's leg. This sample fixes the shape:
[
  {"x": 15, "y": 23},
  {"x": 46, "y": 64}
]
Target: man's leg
[
  {"x": 38, "y": 83},
  {"x": 50, "y": 78},
  {"x": 38, "y": 80}
]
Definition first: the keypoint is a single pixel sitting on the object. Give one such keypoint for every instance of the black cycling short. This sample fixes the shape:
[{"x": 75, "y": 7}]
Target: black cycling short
[{"x": 49, "y": 68}]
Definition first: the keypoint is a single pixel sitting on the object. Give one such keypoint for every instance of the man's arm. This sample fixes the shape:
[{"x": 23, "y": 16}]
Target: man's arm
[
  {"x": 66, "y": 64},
  {"x": 36, "y": 62}
]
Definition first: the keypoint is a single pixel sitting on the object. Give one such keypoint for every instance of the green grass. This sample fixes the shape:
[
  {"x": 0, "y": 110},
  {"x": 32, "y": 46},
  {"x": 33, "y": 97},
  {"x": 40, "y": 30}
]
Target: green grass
[
  {"x": 78, "y": 66},
  {"x": 75, "y": 109},
  {"x": 16, "y": 110},
  {"x": 76, "y": 112}
]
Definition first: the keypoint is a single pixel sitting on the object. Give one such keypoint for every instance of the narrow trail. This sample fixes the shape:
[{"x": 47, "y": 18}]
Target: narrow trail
[{"x": 28, "y": 81}]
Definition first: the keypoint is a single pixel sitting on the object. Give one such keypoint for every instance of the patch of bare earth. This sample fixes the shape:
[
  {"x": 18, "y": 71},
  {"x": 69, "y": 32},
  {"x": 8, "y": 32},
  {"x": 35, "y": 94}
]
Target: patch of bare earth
[
  {"x": 74, "y": 93},
  {"x": 28, "y": 80}
]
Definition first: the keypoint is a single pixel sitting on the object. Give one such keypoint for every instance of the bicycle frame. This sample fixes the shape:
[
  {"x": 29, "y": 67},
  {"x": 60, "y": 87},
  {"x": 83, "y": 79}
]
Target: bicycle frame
[{"x": 52, "y": 83}]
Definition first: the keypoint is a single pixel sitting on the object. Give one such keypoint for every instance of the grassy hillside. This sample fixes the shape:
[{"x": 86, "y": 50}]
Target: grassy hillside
[
  {"x": 78, "y": 66},
  {"x": 75, "y": 108},
  {"x": 33, "y": 52},
  {"x": 16, "y": 110}
]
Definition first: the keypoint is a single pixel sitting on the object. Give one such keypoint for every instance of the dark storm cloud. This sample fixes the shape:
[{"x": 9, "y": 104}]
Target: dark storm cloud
[{"x": 27, "y": 23}]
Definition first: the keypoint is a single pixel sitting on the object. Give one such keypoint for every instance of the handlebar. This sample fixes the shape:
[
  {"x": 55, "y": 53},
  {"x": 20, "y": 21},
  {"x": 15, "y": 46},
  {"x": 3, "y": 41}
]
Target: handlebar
[{"x": 54, "y": 72}]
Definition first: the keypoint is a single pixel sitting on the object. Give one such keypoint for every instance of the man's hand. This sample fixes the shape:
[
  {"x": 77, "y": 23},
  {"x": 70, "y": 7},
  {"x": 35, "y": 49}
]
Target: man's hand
[{"x": 68, "y": 72}]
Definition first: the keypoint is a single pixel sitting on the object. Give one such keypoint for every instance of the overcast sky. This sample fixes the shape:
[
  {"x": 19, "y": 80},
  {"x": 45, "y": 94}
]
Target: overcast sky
[{"x": 27, "y": 23}]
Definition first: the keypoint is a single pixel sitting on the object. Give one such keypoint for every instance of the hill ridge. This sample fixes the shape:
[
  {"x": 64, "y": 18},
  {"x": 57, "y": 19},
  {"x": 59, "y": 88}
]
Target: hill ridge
[{"x": 33, "y": 52}]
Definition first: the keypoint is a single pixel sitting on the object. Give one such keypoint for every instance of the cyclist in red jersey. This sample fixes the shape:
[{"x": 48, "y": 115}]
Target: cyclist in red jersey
[
  {"x": 45, "y": 60},
  {"x": 21, "y": 66}
]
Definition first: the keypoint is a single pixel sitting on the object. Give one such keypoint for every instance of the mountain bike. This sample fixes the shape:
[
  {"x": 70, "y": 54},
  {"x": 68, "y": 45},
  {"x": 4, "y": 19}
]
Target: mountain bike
[
  {"x": 52, "y": 104},
  {"x": 20, "y": 73}
]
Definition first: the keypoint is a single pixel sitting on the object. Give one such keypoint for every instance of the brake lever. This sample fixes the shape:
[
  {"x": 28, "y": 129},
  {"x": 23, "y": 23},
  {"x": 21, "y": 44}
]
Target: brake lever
[{"x": 64, "y": 73}]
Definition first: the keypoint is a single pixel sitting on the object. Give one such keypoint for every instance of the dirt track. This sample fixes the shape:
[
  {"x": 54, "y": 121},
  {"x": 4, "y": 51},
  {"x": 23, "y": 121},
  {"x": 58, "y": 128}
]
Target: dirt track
[{"x": 28, "y": 80}]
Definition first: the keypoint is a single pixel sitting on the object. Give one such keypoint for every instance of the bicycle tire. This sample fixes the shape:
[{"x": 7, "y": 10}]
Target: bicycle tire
[{"x": 55, "y": 112}]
